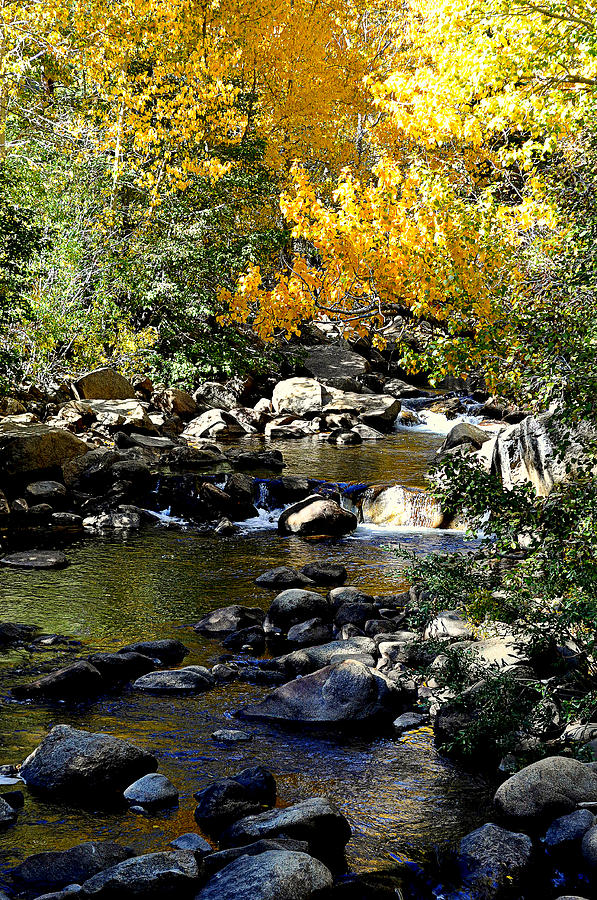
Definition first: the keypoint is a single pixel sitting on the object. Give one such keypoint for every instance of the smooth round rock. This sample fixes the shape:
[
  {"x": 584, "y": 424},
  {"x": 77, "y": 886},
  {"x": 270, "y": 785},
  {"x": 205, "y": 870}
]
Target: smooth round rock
[
  {"x": 151, "y": 791},
  {"x": 231, "y": 736}
]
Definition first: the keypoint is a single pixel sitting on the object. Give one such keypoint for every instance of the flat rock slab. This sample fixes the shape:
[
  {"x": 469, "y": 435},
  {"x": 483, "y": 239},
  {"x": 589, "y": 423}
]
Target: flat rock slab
[{"x": 35, "y": 559}]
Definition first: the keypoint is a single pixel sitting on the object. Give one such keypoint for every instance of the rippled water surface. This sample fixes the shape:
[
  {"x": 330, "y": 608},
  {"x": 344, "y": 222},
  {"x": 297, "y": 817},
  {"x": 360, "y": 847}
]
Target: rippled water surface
[{"x": 403, "y": 801}]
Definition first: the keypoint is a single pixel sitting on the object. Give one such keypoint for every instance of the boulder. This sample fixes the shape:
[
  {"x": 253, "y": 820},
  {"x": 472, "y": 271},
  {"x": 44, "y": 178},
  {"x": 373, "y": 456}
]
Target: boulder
[
  {"x": 366, "y": 433},
  {"x": 51, "y": 492},
  {"x": 272, "y": 875},
  {"x": 500, "y": 652},
  {"x": 566, "y": 833},
  {"x": 8, "y": 815},
  {"x": 348, "y": 594},
  {"x": 33, "y": 448},
  {"x": 222, "y": 803},
  {"x": 84, "y": 766},
  {"x": 114, "y": 520},
  {"x": 409, "y": 721},
  {"x": 77, "y": 681},
  {"x": 103, "y": 384},
  {"x": 307, "y": 634},
  {"x": 35, "y": 559},
  {"x": 356, "y": 613},
  {"x": 378, "y": 410},
  {"x": 175, "y": 402},
  {"x": 118, "y": 668},
  {"x": 325, "y": 573},
  {"x": 344, "y": 693},
  {"x": 395, "y": 506},
  {"x": 316, "y": 515},
  {"x": 316, "y": 821},
  {"x": 192, "y": 841},
  {"x": 211, "y": 424},
  {"x": 493, "y": 862},
  {"x": 259, "y": 784},
  {"x": 169, "y": 875},
  {"x": 549, "y": 787},
  {"x": 228, "y": 619},
  {"x": 299, "y": 396},
  {"x": 295, "y": 605},
  {"x": 152, "y": 792},
  {"x": 168, "y": 650},
  {"x": 189, "y": 680},
  {"x": 53, "y": 870},
  {"x": 335, "y": 360},
  {"x": 282, "y": 577},
  {"x": 252, "y": 637},
  {"x": 589, "y": 847},
  {"x": 111, "y": 414},
  {"x": 216, "y": 395},
  {"x": 465, "y": 434}
]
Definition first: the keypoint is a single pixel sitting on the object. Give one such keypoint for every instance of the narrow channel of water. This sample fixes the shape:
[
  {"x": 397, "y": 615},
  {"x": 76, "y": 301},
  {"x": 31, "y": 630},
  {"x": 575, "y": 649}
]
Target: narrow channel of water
[{"x": 401, "y": 798}]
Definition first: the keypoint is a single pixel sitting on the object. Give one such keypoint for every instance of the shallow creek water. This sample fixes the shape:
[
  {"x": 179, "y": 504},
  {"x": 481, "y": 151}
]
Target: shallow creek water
[{"x": 402, "y": 799}]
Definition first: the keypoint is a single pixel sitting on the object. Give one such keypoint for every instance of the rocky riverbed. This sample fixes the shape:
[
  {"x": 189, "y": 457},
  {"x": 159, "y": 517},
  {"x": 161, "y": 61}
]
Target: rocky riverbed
[{"x": 208, "y": 644}]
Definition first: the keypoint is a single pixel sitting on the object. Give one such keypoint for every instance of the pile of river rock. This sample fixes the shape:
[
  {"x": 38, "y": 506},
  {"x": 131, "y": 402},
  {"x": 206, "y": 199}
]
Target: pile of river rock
[{"x": 337, "y": 658}]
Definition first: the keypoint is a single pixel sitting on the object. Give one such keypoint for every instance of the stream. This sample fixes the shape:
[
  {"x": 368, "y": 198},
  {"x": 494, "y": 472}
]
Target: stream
[{"x": 403, "y": 801}]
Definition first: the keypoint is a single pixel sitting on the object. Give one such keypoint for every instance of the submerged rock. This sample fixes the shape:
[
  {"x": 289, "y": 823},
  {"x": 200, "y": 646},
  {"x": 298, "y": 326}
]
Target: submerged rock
[
  {"x": 84, "y": 766},
  {"x": 117, "y": 668},
  {"x": 316, "y": 515},
  {"x": 35, "y": 559},
  {"x": 228, "y": 619},
  {"x": 346, "y": 692},
  {"x": 272, "y": 875},
  {"x": 55, "y": 869}
]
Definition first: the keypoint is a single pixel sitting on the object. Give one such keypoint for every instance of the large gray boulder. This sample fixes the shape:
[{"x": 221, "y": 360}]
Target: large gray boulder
[
  {"x": 493, "y": 862},
  {"x": 344, "y": 693},
  {"x": 272, "y": 875},
  {"x": 282, "y": 577},
  {"x": 103, "y": 384},
  {"x": 379, "y": 410},
  {"x": 33, "y": 448},
  {"x": 170, "y": 875},
  {"x": 337, "y": 360},
  {"x": 549, "y": 787},
  {"x": 189, "y": 680},
  {"x": 316, "y": 821},
  {"x": 303, "y": 397},
  {"x": 316, "y": 515},
  {"x": 295, "y": 605},
  {"x": 55, "y": 869},
  {"x": 84, "y": 766}
]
